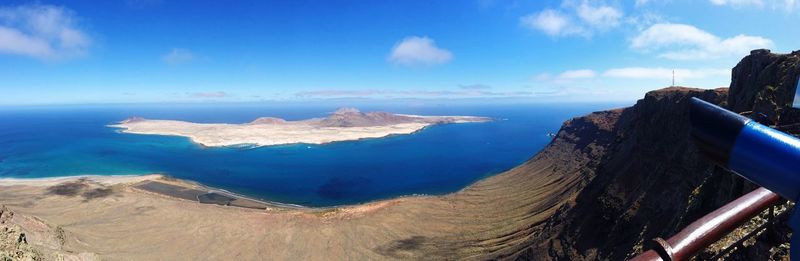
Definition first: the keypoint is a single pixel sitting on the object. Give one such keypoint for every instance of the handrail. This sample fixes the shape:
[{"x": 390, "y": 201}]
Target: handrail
[
  {"x": 710, "y": 228},
  {"x": 753, "y": 233}
]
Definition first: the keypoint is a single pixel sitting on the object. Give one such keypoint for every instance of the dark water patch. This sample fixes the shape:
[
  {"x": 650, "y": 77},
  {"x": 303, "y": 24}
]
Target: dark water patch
[
  {"x": 343, "y": 187},
  {"x": 107, "y": 153}
]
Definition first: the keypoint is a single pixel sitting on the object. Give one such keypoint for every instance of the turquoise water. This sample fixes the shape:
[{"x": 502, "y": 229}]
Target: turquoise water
[{"x": 74, "y": 140}]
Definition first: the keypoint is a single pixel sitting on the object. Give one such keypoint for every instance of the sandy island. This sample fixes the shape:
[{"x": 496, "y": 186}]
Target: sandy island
[{"x": 343, "y": 125}]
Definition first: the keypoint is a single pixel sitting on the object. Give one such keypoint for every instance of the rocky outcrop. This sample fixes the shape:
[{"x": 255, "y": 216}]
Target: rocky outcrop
[
  {"x": 765, "y": 82},
  {"x": 13, "y": 242},
  {"x": 647, "y": 178},
  {"x": 28, "y": 238},
  {"x": 642, "y": 185}
]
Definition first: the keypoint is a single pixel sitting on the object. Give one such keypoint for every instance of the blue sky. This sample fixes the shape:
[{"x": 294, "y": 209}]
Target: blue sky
[{"x": 142, "y": 51}]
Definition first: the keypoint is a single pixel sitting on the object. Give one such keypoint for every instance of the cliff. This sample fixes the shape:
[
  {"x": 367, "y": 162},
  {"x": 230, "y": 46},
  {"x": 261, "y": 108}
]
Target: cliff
[{"x": 645, "y": 177}]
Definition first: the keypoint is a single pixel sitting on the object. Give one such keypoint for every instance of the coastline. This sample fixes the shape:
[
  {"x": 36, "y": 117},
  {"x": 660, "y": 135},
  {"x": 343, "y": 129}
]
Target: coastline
[
  {"x": 344, "y": 125},
  {"x": 134, "y": 179},
  {"x": 104, "y": 179},
  {"x": 333, "y": 135},
  {"x": 192, "y": 139}
]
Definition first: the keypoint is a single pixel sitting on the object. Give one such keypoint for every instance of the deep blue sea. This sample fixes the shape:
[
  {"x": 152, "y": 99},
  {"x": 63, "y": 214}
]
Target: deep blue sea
[{"x": 74, "y": 140}]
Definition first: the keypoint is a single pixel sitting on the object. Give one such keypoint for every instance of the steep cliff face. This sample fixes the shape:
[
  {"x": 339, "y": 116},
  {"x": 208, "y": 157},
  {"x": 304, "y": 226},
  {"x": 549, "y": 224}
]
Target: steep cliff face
[
  {"x": 649, "y": 179},
  {"x": 651, "y": 182},
  {"x": 765, "y": 82}
]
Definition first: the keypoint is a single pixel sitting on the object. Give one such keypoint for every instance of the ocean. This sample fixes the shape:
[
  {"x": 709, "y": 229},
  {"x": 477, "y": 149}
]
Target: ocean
[{"x": 54, "y": 141}]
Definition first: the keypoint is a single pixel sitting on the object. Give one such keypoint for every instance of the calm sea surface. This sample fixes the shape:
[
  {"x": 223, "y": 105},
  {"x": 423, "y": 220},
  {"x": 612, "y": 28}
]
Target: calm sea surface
[{"x": 74, "y": 140}]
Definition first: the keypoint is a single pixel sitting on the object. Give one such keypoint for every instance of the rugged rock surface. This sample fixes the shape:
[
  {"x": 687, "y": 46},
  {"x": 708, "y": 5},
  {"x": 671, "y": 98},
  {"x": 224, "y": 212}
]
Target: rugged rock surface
[
  {"x": 351, "y": 117},
  {"x": 29, "y": 238},
  {"x": 646, "y": 178},
  {"x": 765, "y": 82},
  {"x": 13, "y": 242}
]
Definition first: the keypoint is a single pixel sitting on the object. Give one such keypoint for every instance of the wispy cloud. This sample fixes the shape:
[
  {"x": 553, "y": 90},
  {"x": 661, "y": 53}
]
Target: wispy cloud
[
  {"x": 177, "y": 56},
  {"x": 339, "y": 93},
  {"x": 219, "y": 94},
  {"x": 738, "y": 2},
  {"x": 409, "y": 93},
  {"x": 42, "y": 31},
  {"x": 664, "y": 73},
  {"x": 551, "y": 22},
  {"x": 567, "y": 76},
  {"x": 787, "y": 5},
  {"x": 475, "y": 87},
  {"x": 574, "y": 18},
  {"x": 570, "y": 77},
  {"x": 686, "y": 42},
  {"x": 577, "y": 74},
  {"x": 415, "y": 50},
  {"x": 598, "y": 16}
]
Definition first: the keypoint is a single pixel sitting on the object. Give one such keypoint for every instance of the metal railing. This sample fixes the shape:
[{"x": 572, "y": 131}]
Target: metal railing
[{"x": 712, "y": 227}]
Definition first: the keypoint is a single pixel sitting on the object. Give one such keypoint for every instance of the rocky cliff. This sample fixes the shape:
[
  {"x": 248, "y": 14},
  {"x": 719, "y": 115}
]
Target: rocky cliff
[
  {"x": 646, "y": 178},
  {"x": 13, "y": 242}
]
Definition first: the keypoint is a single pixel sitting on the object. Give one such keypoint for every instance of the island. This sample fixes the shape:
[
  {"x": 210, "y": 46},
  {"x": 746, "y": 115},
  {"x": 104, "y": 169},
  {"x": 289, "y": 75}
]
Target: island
[{"x": 344, "y": 124}]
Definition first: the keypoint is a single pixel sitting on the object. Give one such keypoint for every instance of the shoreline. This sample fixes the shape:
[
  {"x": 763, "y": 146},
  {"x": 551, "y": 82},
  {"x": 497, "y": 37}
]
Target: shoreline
[
  {"x": 343, "y": 125},
  {"x": 110, "y": 180},
  {"x": 104, "y": 179},
  {"x": 134, "y": 179},
  {"x": 122, "y": 130}
]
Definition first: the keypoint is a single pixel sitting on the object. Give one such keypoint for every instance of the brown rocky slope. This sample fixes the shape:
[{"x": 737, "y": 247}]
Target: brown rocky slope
[{"x": 651, "y": 181}]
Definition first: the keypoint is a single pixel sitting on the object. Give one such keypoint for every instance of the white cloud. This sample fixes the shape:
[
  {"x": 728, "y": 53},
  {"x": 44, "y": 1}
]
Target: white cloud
[
  {"x": 577, "y": 74},
  {"x": 786, "y": 5},
  {"x": 177, "y": 56},
  {"x": 664, "y": 73},
  {"x": 602, "y": 16},
  {"x": 686, "y": 42},
  {"x": 572, "y": 77},
  {"x": 580, "y": 18},
  {"x": 416, "y": 50},
  {"x": 738, "y": 3},
  {"x": 566, "y": 77},
  {"x": 41, "y": 31},
  {"x": 550, "y": 22}
]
